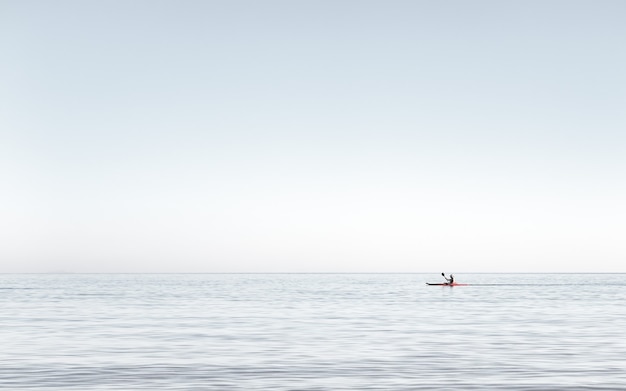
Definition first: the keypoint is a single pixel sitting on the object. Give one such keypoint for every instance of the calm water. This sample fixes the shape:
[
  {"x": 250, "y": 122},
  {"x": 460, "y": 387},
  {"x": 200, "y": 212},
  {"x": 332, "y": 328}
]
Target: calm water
[{"x": 312, "y": 332}]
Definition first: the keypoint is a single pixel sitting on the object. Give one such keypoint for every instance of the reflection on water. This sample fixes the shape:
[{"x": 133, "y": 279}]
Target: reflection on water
[{"x": 312, "y": 332}]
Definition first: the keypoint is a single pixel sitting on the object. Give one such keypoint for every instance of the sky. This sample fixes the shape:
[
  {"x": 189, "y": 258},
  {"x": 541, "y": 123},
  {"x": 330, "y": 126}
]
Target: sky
[{"x": 312, "y": 136}]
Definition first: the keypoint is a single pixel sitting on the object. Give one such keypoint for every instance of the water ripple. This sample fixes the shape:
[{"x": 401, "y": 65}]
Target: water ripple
[{"x": 311, "y": 332}]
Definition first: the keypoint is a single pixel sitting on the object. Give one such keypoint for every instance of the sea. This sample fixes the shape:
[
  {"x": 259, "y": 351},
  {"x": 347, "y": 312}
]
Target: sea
[{"x": 312, "y": 332}]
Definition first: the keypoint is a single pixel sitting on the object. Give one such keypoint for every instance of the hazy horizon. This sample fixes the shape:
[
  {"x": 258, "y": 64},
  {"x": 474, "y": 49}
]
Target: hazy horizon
[{"x": 279, "y": 136}]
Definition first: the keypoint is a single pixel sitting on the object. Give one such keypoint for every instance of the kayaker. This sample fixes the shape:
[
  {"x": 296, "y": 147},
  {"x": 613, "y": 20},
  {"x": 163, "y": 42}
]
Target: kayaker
[{"x": 449, "y": 280}]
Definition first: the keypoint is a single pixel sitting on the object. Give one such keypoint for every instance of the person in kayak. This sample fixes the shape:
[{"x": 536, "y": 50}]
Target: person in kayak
[{"x": 450, "y": 280}]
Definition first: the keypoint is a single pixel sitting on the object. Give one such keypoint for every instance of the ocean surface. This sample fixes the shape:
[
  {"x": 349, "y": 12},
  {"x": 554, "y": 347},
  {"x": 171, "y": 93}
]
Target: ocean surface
[{"x": 312, "y": 332}]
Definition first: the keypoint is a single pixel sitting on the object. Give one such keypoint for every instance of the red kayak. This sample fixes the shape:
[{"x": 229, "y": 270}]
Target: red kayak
[{"x": 446, "y": 284}]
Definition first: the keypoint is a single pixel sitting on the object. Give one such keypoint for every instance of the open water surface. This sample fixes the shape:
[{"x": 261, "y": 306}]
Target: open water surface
[{"x": 312, "y": 332}]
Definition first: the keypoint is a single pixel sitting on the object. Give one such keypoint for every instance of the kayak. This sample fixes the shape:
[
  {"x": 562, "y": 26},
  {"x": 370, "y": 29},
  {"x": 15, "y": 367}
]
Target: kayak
[{"x": 445, "y": 284}]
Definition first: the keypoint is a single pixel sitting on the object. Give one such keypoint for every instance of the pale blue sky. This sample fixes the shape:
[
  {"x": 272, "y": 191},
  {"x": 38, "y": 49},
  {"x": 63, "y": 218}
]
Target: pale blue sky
[{"x": 312, "y": 136}]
